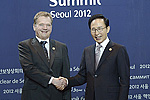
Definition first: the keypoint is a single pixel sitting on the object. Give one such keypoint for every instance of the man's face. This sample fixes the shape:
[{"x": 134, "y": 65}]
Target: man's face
[
  {"x": 43, "y": 27},
  {"x": 99, "y": 30}
]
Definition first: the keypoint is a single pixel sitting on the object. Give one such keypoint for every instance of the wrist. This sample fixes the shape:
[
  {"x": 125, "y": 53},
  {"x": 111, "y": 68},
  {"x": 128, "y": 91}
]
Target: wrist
[{"x": 53, "y": 81}]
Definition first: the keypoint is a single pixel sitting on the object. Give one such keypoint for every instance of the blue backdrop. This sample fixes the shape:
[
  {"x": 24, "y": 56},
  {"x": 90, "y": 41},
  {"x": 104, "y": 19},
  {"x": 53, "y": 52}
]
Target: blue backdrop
[{"x": 129, "y": 21}]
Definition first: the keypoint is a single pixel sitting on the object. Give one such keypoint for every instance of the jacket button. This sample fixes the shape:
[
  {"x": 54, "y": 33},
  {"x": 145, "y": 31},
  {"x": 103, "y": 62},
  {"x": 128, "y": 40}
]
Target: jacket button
[{"x": 95, "y": 76}]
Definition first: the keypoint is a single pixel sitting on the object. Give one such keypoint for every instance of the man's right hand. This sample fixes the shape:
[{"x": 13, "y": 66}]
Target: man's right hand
[{"x": 60, "y": 83}]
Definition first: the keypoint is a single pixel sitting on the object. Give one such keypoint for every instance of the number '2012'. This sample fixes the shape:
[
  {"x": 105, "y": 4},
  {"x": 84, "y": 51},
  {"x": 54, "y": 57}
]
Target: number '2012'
[{"x": 82, "y": 13}]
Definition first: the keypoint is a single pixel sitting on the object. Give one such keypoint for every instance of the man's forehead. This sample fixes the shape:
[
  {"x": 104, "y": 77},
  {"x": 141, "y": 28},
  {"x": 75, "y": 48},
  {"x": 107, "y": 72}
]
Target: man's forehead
[{"x": 97, "y": 21}]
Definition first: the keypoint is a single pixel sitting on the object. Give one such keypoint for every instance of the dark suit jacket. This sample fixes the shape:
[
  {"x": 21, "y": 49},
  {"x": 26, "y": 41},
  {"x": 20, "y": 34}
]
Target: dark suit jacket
[
  {"x": 111, "y": 79},
  {"x": 38, "y": 71}
]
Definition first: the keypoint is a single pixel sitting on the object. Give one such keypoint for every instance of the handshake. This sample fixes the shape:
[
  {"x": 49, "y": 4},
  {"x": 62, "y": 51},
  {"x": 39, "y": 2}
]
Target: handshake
[{"x": 60, "y": 83}]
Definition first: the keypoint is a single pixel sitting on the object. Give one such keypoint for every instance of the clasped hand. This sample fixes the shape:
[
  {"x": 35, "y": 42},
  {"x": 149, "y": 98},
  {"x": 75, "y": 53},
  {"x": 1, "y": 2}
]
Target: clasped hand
[{"x": 60, "y": 83}]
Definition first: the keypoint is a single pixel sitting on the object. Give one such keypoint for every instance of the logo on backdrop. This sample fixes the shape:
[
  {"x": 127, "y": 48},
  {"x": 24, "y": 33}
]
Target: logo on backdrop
[{"x": 77, "y": 13}]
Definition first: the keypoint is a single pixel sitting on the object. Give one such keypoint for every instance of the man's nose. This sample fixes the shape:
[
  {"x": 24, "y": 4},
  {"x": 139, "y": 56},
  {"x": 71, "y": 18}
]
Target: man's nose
[
  {"x": 97, "y": 32},
  {"x": 44, "y": 26}
]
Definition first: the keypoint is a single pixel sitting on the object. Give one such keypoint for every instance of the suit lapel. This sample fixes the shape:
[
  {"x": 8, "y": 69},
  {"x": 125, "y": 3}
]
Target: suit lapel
[
  {"x": 92, "y": 59},
  {"x": 39, "y": 50},
  {"x": 53, "y": 50},
  {"x": 106, "y": 53}
]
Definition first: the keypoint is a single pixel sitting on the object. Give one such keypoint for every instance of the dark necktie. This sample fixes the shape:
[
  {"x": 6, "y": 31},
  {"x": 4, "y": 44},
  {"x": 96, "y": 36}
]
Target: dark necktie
[
  {"x": 97, "y": 55},
  {"x": 45, "y": 50}
]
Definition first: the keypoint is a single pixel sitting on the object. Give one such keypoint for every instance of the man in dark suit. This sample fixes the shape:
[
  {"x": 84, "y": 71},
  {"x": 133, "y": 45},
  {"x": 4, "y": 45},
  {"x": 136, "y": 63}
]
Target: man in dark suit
[
  {"x": 104, "y": 66},
  {"x": 43, "y": 60}
]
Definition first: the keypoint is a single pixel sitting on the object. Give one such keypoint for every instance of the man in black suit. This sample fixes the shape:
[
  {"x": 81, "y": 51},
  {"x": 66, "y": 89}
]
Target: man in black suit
[
  {"x": 105, "y": 66},
  {"x": 43, "y": 60}
]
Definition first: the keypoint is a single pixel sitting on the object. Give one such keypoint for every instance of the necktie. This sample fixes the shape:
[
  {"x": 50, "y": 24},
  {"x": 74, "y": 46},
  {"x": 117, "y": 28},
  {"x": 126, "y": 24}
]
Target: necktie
[
  {"x": 97, "y": 55},
  {"x": 45, "y": 50}
]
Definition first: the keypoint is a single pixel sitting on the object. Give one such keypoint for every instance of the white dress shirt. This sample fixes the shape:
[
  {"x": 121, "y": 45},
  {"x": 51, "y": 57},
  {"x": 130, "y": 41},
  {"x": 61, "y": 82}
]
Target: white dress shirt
[
  {"x": 103, "y": 44},
  {"x": 47, "y": 47}
]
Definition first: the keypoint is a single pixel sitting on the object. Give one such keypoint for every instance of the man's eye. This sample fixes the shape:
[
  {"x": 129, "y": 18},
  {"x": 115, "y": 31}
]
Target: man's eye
[
  {"x": 93, "y": 29},
  {"x": 48, "y": 25},
  {"x": 99, "y": 28},
  {"x": 41, "y": 24}
]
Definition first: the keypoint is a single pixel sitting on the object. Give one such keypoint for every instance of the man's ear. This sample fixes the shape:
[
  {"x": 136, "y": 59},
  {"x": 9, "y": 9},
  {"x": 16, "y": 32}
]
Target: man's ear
[
  {"x": 34, "y": 25},
  {"x": 108, "y": 29}
]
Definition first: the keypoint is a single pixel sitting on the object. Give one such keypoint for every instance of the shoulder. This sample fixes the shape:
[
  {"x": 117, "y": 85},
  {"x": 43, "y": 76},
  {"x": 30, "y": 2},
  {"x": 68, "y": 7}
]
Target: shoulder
[
  {"x": 119, "y": 47},
  {"x": 25, "y": 44},
  {"x": 89, "y": 48},
  {"x": 116, "y": 45},
  {"x": 57, "y": 42},
  {"x": 27, "y": 41}
]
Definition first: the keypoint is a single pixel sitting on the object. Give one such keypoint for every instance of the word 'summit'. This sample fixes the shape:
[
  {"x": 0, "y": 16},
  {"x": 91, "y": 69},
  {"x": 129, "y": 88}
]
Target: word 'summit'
[{"x": 54, "y": 3}]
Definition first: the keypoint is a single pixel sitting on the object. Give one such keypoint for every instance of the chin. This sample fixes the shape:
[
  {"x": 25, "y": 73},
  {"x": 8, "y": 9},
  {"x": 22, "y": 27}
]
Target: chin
[{"x": 98, "y": 41}]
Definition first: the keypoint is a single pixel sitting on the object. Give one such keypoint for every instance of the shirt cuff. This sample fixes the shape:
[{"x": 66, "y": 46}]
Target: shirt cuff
[
  {"x": 67, "y": 81},
  {"x": 50, "y": 81}
]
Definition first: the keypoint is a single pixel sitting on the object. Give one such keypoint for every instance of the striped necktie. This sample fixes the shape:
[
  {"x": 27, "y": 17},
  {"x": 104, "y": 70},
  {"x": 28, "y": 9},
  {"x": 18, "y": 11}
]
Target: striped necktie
[
  {"x": 45, "y": 50},
  {"x": 97, "y": 55}
]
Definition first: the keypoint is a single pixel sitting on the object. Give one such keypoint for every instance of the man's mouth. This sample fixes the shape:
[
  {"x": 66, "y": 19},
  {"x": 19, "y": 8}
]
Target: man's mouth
[
  {"x": 44, "y": 31},
  {"x": 98, "y": 37}
]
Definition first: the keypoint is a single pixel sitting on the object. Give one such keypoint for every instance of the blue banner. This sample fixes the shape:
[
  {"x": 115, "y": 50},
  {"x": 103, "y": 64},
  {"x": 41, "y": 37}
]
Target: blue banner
[{"x": 129, "y": 23}]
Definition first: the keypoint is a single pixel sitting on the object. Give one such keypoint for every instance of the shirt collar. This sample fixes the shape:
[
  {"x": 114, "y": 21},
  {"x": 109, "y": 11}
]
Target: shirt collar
[
  {"x": 104, "y": 43},
  {"x": 42, "y": 40}
]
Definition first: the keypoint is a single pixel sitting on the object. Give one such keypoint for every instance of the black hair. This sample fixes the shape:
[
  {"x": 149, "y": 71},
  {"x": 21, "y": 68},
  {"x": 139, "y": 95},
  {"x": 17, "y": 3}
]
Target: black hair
[{"x": 106, "y": 20}]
